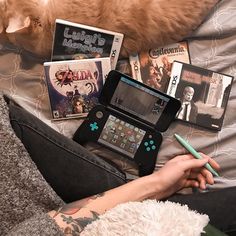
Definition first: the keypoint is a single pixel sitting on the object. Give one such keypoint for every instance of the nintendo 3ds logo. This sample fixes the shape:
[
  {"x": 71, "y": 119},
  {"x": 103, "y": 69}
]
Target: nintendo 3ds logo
[
  {"x": 174, "y": 80},
  {"x": 173, "y": 84},
  {"x": 113, "y": 54},
  {"x": 136, "y": 67}
]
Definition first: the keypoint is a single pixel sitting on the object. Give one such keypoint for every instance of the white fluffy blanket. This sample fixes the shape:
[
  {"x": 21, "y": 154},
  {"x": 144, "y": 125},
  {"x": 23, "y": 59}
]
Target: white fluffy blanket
[{"x": 148, "y": 218}]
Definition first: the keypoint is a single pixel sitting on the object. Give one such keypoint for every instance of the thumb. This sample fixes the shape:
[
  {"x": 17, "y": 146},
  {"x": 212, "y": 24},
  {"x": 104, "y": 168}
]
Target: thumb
[{"x": 194, "y": 163}]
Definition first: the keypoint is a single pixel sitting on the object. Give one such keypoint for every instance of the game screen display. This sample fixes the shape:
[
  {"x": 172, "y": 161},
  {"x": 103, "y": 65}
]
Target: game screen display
[
  {"x": 142, "y": 102},
  {"x": 121, "y": 136}
]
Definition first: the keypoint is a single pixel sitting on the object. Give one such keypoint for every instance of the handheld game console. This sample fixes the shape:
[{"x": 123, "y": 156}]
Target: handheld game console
[{"x": 129, "y": 120}]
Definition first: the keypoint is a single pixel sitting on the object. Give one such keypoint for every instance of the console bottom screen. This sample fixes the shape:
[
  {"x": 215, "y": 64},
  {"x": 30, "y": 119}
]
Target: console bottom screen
[{"x": 121, "y": 136}]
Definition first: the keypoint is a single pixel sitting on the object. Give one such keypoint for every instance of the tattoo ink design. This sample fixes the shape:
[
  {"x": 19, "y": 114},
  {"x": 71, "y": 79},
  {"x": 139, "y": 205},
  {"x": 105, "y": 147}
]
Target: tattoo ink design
[
  {"x": 74, "y": 207},
  {"x": 77, "y": 225}
]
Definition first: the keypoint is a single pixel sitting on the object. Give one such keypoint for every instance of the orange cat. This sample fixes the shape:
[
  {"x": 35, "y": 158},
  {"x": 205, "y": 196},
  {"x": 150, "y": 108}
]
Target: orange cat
[{"x": 145, "y": 23}]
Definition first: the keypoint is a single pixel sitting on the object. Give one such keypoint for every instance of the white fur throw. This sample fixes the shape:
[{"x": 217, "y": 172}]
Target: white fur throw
[{"x": 148, "y": 218}]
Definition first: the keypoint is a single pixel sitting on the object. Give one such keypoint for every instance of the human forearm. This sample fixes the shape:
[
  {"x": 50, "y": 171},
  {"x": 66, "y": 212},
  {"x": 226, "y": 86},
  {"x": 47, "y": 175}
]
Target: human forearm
[
  {"x": 73, "y": 217},
  {"x": 182, "y": 171}
]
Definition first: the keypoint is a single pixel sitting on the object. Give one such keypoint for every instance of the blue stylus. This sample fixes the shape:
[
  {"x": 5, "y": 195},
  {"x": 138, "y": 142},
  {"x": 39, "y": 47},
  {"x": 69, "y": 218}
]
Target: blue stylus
[{"x": 188, "y": 147}]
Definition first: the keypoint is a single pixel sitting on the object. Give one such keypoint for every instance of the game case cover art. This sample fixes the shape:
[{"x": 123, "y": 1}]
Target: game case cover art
[
  {"x": 74, "y": 86},
  {"x": 203, "y": 93},
  {"x": 74, "y": 41},
  {"x": 153, "y": 67},
  {"x": 124, "y": 67}
]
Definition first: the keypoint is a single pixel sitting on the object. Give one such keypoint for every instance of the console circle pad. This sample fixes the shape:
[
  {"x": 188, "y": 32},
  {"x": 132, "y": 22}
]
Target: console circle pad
[{"x": 99, "y": 114}]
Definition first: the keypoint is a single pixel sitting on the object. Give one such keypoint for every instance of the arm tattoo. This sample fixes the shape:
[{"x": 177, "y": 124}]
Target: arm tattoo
[
  {"x": 77, "y": 225},
  {"x": 72, "y": 208}
]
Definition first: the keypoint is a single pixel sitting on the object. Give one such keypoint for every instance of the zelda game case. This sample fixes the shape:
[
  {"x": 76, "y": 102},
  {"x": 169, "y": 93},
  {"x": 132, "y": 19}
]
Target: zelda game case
[
  {"x": 74, "y": 41},
  {"x": 203, "y": 93},
  {"x": 74, "y": 86},
  {"x": 153, "y": 67}
]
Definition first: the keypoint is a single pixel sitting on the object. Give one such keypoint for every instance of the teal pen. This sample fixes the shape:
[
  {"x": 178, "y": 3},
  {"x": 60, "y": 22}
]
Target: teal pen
[{"x": 188, "y": 147}]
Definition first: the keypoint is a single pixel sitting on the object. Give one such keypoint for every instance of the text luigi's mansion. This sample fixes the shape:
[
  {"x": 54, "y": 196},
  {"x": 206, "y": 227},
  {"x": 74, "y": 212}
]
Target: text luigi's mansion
[{"x": 83, "y": 42}]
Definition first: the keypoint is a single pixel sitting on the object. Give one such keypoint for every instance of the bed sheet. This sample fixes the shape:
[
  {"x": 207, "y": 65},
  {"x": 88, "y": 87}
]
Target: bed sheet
[{"x": 212, "y": 46}]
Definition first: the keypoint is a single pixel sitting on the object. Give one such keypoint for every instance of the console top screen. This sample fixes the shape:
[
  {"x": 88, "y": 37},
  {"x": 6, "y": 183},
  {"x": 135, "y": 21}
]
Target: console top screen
[{"x": 140, "y": 101}]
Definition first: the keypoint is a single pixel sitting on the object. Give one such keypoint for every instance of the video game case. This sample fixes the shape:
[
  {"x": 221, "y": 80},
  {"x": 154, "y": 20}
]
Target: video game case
[
  {"x": 74, "y": 41},
  {"x": 203, "y": 94},
  {"x": 124, "y": 67},
  {"x": 153, "y": 67},
  {"x": 74, "y": 86}
]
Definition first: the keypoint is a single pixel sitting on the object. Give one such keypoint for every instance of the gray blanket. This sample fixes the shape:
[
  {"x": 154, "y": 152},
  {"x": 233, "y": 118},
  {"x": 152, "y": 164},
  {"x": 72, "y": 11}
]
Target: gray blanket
[
  {"x": 212, "y": 46},
  {"x": 25, "y": 196}
]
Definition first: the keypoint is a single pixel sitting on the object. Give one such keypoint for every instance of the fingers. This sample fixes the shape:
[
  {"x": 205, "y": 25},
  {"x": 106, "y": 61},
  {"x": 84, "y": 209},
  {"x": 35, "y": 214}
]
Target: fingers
[
  {"x": 199, "y": 173},
  {"x": 202, "y": 175},
  {"x": 202, "y": 178},
  {"x": 208, "y": 176},
  {"x": 193, "y": 171},
  {"x": 185, "y": 157},
  {"x": 182, "y": 158},
  {"x": 191, "y": 183},
  {"x": 211, "y": 161},
  {"x": 193, "y": 163}
]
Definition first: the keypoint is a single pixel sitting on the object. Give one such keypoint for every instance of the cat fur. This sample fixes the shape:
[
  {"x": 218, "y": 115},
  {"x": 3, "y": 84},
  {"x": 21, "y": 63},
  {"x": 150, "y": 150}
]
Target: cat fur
[{"x": 145, "y": 23}]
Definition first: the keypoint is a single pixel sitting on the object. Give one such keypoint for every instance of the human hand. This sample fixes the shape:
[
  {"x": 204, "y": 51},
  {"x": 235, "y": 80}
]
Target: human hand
[{"x": 184, "y": 171}]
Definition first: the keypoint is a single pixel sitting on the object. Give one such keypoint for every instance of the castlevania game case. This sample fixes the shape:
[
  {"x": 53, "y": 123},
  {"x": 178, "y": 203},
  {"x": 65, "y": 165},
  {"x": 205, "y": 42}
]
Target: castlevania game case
[{"x": 153, "y": 67}]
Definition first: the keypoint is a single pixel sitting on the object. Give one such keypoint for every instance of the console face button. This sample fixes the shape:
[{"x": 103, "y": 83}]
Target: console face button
[
  {"x": 153, "y": 147},
  {"x": 99, "y": 114},
  {"x": 150, "y": 145}
]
